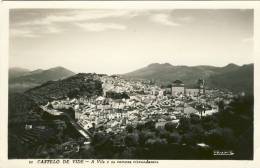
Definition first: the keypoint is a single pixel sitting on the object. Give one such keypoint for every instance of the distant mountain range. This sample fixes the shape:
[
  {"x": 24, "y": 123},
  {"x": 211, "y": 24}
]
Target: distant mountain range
[
  {"x": 232, "y": 77},
  {"x": 22, "y": 79},
  {"x": 16, "y": 72}
]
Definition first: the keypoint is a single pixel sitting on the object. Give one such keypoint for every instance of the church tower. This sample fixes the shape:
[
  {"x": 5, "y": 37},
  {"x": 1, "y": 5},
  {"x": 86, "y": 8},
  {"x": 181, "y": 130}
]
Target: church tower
[{"x": 201, "y": 86}]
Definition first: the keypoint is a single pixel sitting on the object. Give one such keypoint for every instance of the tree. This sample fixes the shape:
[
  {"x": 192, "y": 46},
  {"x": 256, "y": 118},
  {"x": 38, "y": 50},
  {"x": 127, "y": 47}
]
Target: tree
[
  {"x": 129, "y": 128},
  {"x": 73, "y": 93},
  {"x": 194, "y": 118},
  {"x": 170, "y": 126},
  {"x": 221, "y": 106},
  {"x": 131, "y": 140},
  {"x": 210, "y": 122},
  {"x": 174, "y": 138},
  {"x": 98, "y": 138},
  {"x": 129, "y": 153},
  {"x": 162, "y": 133},
  {"x": 221, "y": 138},
  {"x": 197, "y": 132},
  {"x": 145, "y": 135},
  {"x": 189, "y": 139},
  {"x": 115, "y": 95},
  {"x": 140, "y": 126},
  {"x": 184, "y": 124},
  {"x": 150, "y": 125}
]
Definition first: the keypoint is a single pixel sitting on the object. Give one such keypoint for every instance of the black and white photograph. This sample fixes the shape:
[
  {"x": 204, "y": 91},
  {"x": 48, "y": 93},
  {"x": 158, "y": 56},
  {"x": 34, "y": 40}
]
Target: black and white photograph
[{"x": 145, "y": 84}]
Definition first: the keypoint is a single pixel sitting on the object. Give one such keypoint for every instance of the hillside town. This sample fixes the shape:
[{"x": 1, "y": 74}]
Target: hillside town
[
  {"x": 64, "y": 127},
  {"x": 134, "y": 102}
]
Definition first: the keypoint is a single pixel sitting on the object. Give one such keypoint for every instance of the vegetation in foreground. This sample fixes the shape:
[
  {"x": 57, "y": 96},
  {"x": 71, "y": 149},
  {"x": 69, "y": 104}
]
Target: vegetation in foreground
[{"x": 195, "y": 138}]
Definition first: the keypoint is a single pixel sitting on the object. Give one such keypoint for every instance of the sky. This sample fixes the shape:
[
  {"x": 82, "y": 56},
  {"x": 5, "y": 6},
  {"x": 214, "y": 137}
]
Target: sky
[{"x": 120, "y": 41}]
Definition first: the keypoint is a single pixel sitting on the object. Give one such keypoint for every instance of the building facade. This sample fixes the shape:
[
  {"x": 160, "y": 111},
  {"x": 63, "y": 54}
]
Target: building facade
[{"x": 178, "y": 88}]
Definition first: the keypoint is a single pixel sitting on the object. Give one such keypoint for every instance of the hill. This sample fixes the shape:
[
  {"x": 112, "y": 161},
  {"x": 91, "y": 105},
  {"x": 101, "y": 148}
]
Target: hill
[
  {"x": 168, "y": 73},
  {"x": 229, "y": 77},
  {"x": 24, "y": 109},
  {"x": 81, "y": 84},
  {"x": 37, "y": 77},
  {"x": 237, "y": 80},
  {"x": 17, "y": 72},
  {"x": 21, "y": 104}
]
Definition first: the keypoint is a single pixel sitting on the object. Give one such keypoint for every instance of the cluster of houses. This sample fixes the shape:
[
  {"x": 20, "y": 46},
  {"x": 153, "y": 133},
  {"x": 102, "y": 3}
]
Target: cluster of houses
[{"x": 146, "y": 102}]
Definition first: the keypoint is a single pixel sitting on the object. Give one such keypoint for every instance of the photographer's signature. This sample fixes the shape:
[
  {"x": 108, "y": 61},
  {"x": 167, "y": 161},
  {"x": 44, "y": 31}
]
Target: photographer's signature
[{"x": 223, "y": 153}]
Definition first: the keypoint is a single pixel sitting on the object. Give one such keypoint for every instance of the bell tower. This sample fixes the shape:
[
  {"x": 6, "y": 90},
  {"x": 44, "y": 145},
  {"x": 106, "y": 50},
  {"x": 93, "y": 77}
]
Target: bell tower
[{"x": 201, "y": 86}]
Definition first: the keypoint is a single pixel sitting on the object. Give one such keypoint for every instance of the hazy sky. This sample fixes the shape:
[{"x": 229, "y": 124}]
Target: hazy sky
[{"x": 119, "y": 41}]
